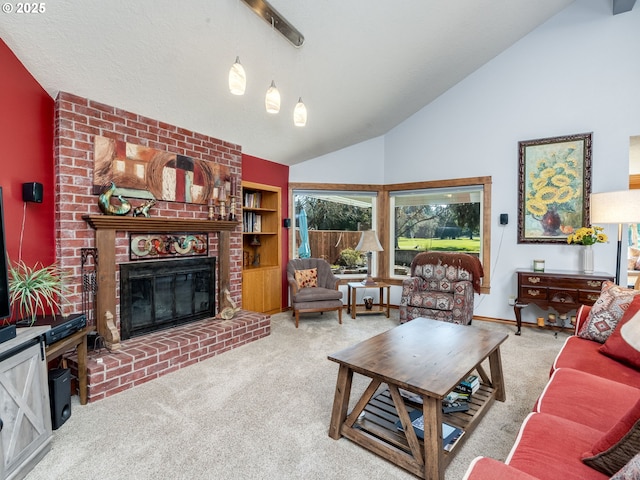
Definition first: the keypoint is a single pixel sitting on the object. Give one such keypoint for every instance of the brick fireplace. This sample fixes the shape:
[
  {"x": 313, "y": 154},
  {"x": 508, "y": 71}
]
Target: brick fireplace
[
  {"x": 160, "y": 294},
  {"x": 79, "y": 224}
]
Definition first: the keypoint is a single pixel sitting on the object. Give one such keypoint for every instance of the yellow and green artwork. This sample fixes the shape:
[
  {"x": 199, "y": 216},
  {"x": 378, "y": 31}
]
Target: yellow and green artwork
[{"x": 554, "y": 188}]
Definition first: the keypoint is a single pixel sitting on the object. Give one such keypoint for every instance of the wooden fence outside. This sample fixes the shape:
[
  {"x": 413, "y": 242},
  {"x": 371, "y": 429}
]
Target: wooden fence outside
[{"x": 328, "y": 244}]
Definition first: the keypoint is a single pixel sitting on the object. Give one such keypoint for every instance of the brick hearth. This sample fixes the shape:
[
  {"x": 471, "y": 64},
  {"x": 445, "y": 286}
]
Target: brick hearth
[{"x": 145, "y": 358}]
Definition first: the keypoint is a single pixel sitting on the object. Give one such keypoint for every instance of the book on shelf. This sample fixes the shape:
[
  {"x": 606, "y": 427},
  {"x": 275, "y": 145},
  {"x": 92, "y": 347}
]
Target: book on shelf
[
  {"x": 463, "y": 390},
  {"x": 469, "y": 385},
  {"x": 252, "y": 199},
  {"x": 450, "y": 434},
  {"x": 453, "y": 440},
  {"x": 473, "y": 382},
  {"x": 251, "y": 222}
]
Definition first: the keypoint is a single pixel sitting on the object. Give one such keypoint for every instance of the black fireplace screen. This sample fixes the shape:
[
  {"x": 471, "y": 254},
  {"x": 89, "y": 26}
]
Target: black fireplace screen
[{"x": 164, "y": 294}]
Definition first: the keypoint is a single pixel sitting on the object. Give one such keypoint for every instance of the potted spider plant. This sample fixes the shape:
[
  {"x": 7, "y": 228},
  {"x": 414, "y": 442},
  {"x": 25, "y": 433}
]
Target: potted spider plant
[{"x": 36, "y": 290}]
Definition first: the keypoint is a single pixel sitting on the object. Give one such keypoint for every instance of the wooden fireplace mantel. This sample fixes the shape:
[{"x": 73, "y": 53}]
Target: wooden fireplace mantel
[
  {"x": 106, "y": 227},
  {"x": 156, "y": 225}
]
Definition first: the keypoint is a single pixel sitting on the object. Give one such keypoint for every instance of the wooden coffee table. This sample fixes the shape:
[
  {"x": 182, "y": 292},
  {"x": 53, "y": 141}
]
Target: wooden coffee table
[{"x": 425, "y": 357}]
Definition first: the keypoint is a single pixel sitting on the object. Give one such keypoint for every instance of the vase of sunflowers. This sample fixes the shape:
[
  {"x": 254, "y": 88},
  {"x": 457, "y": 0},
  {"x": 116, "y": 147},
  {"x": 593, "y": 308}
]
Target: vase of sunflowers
[
  {"x": 587, "y": 237},
  {"x": 554, "y": 189}
]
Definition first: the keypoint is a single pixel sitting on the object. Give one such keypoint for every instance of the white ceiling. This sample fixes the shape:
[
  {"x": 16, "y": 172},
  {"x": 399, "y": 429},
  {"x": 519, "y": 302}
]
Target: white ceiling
[{"x": 365, "y": 66}]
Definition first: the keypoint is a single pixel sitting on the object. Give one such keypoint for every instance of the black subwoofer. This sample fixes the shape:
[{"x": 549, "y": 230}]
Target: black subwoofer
[{"x": 59, "y": 396}]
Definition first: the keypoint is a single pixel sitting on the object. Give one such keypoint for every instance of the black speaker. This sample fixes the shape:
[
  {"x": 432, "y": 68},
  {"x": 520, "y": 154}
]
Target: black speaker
[
  {"x": 32, "y": 192},
  {"x": 59, "y": 396},
  {"x": 287, "y": 223},
  {"x": 504, "y": 218}
]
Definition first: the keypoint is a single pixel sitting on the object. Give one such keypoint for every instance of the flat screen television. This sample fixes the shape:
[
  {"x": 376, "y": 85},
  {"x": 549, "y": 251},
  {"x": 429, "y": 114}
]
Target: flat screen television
[{"x": 5, "y": 307}]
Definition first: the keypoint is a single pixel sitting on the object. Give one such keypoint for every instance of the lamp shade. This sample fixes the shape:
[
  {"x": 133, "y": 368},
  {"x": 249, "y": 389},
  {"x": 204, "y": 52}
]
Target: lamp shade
[
  {"x": 616, "y": 207},
  {"x": 369, "y": 242},
  {"x": 272, "y": 99},
  {"x": 300, "y": 114},
  {"x": 237, "y": 78}
]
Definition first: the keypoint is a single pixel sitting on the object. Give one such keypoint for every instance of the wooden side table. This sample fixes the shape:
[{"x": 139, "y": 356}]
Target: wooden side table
[
  {"x": 79, "y": 340},
  {"x": 380, "y": 307},
  {"x": 561, "y": 290}
]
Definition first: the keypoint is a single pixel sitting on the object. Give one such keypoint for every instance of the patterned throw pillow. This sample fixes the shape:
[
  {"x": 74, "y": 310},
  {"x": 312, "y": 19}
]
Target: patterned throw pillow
[
  {"x": 623, "y": 344},
  {"x": 307, "y": 278},
  {"x": 618, "y": 446},
  {"x": 605, "y": 314},
  {"x": 631, "y": 471}
]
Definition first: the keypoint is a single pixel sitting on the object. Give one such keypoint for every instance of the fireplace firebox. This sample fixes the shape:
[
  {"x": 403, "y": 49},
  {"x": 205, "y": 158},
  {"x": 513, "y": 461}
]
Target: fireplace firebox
[{"x": 165, "y": 293}]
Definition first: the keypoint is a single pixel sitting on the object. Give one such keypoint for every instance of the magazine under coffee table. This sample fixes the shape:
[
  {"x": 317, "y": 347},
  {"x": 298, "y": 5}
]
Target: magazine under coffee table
[{"x": 426, "y": 357}]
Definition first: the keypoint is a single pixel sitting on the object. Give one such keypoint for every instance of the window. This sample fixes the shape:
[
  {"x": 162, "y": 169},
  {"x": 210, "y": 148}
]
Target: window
[
  {"x": 452, "y": 215},
  {"x": 328, "y": 224},
  {"x": 447, "y": 216}
]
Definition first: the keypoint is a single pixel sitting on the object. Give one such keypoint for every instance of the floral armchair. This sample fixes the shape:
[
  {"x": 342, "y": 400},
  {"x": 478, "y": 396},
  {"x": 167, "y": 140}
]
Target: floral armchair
[{"x": 441, "y": 287}]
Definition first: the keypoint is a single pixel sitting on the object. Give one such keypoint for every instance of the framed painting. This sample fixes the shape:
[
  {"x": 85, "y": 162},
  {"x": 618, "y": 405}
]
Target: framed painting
[
  {"x": 553, "y": 187},
  {"x": 144, "y": 172}
]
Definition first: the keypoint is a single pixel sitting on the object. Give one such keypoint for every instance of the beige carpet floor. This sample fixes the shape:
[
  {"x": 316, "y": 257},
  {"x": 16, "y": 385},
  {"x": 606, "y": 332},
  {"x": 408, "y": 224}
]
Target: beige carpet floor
[{"x": 262, "y": 411}]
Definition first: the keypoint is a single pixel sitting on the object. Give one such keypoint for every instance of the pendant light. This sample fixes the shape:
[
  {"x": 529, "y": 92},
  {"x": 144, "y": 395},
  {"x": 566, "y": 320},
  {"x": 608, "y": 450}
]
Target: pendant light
[
  {"x": 237, "y": 78},
  {"x": 300, "y": 114},
  {"x": 237, "y": 75},
  {"x": 272, "y": 99}
]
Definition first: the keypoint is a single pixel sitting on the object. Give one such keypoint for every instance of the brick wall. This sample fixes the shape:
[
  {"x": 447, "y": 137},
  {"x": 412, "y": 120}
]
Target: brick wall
[
  {"x": 77, "y": 121},
  {"x": 146, "y": 358}
]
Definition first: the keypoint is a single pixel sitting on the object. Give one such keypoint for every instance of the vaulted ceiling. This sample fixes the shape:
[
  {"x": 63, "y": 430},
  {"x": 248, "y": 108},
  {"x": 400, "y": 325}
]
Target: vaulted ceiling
[{"x": 365, "y": 65}]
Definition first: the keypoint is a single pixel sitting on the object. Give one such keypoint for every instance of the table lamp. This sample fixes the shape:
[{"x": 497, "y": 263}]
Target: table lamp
[
  {"x": 369, "y": 243},
  {"x": 616, "y": 207}
]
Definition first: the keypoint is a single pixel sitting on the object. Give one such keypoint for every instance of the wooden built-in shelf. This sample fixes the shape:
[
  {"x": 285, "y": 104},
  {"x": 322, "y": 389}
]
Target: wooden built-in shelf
[{"x": 261, "y": 285}]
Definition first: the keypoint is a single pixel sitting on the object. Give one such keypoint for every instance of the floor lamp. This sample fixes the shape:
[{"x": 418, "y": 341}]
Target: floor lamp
[
  {"x": 616, "y": 207},
  {"x": 369, "y": 243}
]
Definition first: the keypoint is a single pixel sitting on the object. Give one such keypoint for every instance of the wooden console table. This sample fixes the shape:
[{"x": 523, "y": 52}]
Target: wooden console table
[{"x": 560, "y": 290}]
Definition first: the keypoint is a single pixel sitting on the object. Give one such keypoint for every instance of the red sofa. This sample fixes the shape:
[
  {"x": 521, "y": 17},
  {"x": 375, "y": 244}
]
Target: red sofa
[{"x": 588, "y": 396}]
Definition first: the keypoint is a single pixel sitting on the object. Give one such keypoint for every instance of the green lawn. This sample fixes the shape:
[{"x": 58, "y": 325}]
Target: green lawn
[{"x": 454, "y": 245}]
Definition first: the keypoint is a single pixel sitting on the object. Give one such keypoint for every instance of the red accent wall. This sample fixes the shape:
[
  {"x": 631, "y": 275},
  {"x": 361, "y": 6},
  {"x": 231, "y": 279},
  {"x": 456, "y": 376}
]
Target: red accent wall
[
  {"x": 257, "y": 170},
  {"x": 26, "y": 155}
]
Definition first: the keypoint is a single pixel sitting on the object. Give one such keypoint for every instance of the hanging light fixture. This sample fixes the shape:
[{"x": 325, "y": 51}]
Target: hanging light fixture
[
  {"x": 272, "y": 99},
  {"x": 237, "y": 78},
  {"x": 237, "y": 75},
  {"x": 300, "y": 114}
]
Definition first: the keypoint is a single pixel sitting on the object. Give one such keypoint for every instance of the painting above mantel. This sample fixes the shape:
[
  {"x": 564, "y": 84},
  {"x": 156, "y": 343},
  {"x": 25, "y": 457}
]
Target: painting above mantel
[{"x": 144, "y": 172}]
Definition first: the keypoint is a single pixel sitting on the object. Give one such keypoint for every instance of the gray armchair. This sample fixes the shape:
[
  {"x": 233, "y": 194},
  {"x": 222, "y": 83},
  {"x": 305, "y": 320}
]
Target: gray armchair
[{"x": 313, "y": 291}]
